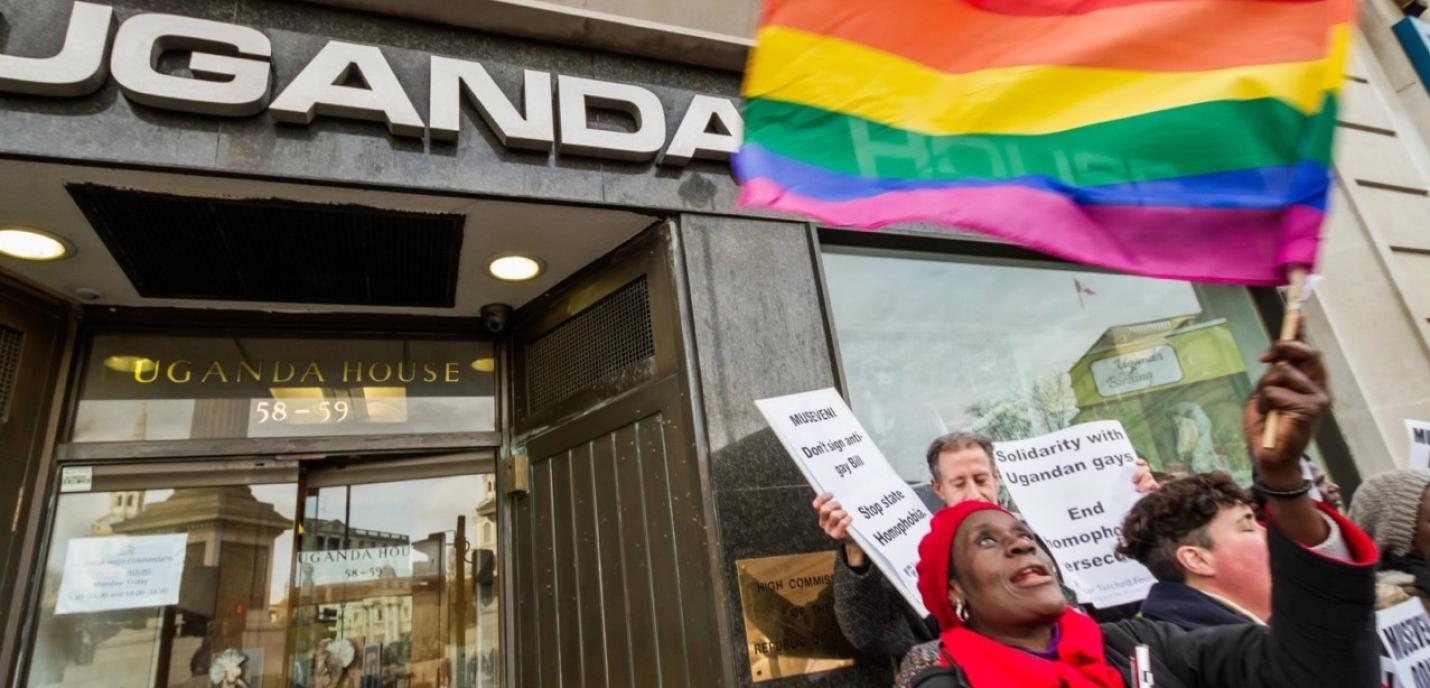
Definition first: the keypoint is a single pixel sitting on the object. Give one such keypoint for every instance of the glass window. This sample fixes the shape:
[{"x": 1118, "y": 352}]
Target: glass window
[
  {"x": 1013, "y": 348},
  {"x": 200, "y": 586},
  {"x": 167, "y": 587},
  {"x": 144, "y": 387},
  {"x": 397, "y": 591}
]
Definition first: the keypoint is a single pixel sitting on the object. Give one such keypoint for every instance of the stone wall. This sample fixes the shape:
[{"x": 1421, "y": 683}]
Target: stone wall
[{"x": 1370, "y": 314}]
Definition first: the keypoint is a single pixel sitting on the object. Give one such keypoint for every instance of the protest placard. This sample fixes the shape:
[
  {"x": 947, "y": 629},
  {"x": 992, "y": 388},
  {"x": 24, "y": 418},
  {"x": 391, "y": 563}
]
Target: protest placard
[
  {"x": 121, "y": 572},
  {"x": 1419, "y": 432},
  {"x": 835, "y": 455},
  {"x": 1404, "y": 632},
  {"x": 1074, "y": 486}
]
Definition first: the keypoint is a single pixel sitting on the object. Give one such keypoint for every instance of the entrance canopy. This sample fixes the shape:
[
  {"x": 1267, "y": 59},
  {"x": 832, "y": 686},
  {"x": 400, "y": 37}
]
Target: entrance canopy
[{"x": 261, "y": 245}]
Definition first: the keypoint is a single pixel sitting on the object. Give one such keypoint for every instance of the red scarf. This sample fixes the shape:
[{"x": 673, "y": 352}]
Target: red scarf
[{"x": 1080, "y": 662}]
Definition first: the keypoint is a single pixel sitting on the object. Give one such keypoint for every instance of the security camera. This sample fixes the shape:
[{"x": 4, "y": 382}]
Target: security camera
[{"x": 495, "y": 317}]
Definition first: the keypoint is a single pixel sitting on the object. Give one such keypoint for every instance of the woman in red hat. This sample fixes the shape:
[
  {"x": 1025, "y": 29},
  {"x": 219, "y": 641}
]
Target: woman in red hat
[{"x": 1005, "y": 623}]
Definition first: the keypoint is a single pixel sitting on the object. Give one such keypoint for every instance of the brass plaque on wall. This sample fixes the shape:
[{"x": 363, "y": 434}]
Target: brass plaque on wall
[{"x": 790, "y": 627}]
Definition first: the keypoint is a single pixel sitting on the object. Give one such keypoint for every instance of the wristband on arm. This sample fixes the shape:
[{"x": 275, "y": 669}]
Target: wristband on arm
[{"x": 1265, "y": 491}]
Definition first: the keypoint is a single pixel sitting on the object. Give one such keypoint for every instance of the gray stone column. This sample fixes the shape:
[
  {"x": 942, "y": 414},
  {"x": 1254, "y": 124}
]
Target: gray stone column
[{"x": 760, "y": 330}]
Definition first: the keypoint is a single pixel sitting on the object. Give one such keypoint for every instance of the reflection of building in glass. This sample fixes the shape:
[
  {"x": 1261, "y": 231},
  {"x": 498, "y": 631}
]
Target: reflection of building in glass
[
  {"x": 356, "y": 603},
  {"x": 122, "y": 507},
  {"x": 223, "y": 600},
  {"x": 383, "y": 610},
  {"x": 1176, "y": 385},
  {"x": 481, "y": 666},
  {"x": 375, "y": 619},
  {"x": 333, "y": 534},
  {"x": 402, "y": 599},
  {"x": 895, "y": 401}
]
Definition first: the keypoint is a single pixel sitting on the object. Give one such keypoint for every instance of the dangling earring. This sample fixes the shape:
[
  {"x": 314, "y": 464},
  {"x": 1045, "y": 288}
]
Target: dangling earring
[{"x": 961, "y": 611}]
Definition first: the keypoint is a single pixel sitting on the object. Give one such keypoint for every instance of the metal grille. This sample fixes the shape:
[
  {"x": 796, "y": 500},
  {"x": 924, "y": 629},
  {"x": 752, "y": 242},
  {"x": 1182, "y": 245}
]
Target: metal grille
[
  {"x": 10, "y": 341},
  {"x": 178, "y": 247},
  {"x": 597, "y": 347}
]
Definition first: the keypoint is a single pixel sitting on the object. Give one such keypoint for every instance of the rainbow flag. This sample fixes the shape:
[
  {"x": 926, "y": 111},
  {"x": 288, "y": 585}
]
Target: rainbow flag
[{"x": 1187, "y": 139}]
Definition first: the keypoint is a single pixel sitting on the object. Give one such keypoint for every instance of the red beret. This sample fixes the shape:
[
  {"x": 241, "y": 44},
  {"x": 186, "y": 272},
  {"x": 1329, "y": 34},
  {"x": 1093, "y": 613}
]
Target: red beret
[{"x": 934, "y": 557}]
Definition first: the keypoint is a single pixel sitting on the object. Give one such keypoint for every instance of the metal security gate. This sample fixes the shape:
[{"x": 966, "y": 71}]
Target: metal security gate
[{"x": 610, "y": 557}]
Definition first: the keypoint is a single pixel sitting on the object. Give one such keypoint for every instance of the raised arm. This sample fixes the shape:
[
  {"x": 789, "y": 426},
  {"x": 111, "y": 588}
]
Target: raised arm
[
  {"x": 1322, "y": 608},
  {"x": 1295, "y": 387},
  {"x": 1322, "y": 627}
]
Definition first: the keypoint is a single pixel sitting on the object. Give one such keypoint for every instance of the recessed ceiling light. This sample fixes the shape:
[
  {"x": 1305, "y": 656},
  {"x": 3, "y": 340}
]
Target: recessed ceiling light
[
  {"x": 514, "y": 267},
  {"x": 31, "y": 244}
]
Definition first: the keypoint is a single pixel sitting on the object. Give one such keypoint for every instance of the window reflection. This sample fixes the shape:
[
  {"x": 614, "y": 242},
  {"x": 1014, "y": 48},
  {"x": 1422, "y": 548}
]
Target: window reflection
[
  {"x": 394, "y": 590},
  {"x": 224, "y": 612},
  {"x": 1014, "y": 349},
  {"x": 394, "y": 585}
]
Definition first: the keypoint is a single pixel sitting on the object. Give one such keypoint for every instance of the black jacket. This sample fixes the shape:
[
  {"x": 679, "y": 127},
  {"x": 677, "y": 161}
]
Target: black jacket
[
  {"x": 1322, "y": 633},
  {"x": 1185, "y": 606},
  {"x": 873, "y": 615}
]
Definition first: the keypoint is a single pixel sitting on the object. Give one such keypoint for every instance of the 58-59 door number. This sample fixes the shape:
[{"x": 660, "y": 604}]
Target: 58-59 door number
[{"x": 305, "y": 411}]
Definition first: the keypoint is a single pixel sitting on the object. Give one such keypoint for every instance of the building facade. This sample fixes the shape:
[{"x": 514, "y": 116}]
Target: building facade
[{"x": 280, "y": 383}]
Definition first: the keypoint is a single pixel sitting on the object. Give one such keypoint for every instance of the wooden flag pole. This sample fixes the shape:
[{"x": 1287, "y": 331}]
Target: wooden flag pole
[{"x": 1290, "y": 326}]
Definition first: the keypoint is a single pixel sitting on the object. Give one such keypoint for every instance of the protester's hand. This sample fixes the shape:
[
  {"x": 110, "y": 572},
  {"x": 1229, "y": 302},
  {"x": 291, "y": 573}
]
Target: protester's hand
[
  {"x": 834, "y": 521},
  {"x": 1142, "y": 480},
  {"x": 1295, "y": 386}
]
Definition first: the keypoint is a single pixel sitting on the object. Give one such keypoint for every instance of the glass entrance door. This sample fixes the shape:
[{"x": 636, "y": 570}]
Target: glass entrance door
[
  {"x": 168, "y": 575},
  {"x": 395, "y": 577},
  {"x": 351, "y": 573}
]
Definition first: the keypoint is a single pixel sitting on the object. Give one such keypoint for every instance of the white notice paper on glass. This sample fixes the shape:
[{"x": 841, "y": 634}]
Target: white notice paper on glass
[
  {"x": 1419, "y": 432},
  {"x": 76, "y": 479},
  {"x": 121, "y": 572},
  {"x": 831, "y": 448},
  {"x": 1074, "y": 486}
]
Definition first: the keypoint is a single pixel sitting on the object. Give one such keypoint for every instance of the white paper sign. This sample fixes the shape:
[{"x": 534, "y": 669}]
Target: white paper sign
[
  {"x": 1074, "y": 486},
  {"x": 76, "y": 478},
  {"x": 1387, "y": 674},
  {"x": 325, "y": 567},
  {"x": 1419, "y": 433},
  {"x": 121, "y": 572},
  {"x": 835, "y": 454},
  {"x": 1404, "y": 632}
]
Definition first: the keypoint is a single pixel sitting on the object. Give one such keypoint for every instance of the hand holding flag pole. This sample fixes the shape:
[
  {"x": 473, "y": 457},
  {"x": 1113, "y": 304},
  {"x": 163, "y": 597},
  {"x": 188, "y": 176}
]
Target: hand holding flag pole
[{"x": 1290, "y": 327}]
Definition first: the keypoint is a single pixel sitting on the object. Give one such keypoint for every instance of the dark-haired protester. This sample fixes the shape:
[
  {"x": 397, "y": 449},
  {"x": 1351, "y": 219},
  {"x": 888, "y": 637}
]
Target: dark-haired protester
[
  {"x": 1393, "y": 508},
  {"x": 1200, "y": 540},
  {"x": 872, "y": 614},
  {"x": 1006, "y": 625}
]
